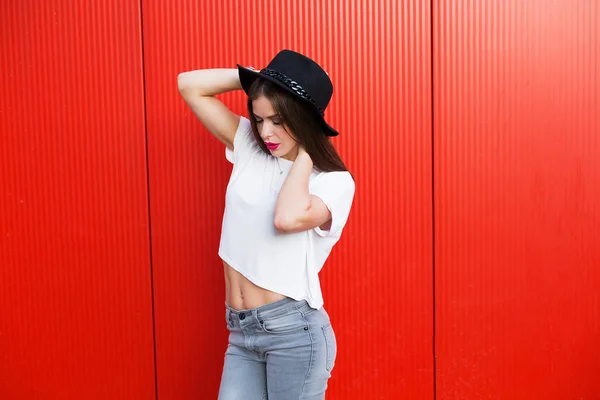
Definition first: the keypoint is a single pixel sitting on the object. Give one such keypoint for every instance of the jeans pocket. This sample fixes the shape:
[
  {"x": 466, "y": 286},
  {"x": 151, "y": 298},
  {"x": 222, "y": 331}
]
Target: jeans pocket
[
  {"x": 285, "y": 324},
  {"x": 330, "y": 346}
]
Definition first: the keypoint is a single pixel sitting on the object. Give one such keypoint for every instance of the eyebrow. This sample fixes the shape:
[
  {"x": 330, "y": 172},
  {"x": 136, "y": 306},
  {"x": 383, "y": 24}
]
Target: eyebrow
[{"x": 269, "y": 117}]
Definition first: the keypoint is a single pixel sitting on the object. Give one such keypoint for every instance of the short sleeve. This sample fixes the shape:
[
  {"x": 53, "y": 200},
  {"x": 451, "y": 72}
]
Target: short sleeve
[
  {"x": 243, "y": 142},
  {"x": 336, "y": 190}
]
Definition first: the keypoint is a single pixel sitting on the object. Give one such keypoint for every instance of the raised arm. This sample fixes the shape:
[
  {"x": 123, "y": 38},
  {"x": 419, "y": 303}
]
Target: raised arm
[
  {"x": 199, "y": 88},
  {"x": 296, "y": 210}
]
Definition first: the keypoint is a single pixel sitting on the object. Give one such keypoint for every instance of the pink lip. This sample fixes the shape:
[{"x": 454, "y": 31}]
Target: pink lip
[{"x": 271, "y": 146}]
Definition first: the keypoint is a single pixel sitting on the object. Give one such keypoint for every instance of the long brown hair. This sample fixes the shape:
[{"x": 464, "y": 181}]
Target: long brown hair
[{"x": 306, "y": 127}]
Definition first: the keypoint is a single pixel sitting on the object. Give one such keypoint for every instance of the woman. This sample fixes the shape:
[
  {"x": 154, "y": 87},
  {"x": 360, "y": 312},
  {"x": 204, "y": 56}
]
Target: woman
[{"x": 286, "y": 204}]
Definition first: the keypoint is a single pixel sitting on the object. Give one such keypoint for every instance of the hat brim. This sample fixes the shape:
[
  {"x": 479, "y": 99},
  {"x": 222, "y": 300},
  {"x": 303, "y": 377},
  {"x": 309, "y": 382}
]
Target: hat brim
[{"x": 248, "y": 76}]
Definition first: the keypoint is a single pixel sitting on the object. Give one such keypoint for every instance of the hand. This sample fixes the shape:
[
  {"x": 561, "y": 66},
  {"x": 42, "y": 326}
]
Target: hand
[
  {"x": 301, "y": 150},
  {"x": 303, "y": 154}
]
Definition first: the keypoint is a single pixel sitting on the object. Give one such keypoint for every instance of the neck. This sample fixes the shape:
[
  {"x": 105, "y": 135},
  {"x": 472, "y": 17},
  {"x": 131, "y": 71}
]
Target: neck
[{"x": 292, "y": 155}]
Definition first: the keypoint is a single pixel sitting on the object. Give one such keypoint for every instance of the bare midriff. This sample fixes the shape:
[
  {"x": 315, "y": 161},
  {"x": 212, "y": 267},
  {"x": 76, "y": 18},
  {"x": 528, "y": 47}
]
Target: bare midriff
[{"x": 241, "y": 294}]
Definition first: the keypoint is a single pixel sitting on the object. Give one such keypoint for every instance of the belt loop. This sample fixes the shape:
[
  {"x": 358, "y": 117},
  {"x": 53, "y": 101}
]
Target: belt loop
[
  {"x": 228, "y": 317},
  {"x": 255, "y": 316}
]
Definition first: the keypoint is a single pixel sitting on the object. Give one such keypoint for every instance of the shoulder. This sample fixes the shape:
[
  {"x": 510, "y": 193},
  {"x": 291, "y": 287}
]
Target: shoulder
[
  {"x": 244, "y": 123},
  {"x": 335, "y": 180},
  {"x": 336, "y": 188},
  {"x": 244, "y": 128},
  {"x": 244, "y": 143},
  {"x": 336, "y": 191}
]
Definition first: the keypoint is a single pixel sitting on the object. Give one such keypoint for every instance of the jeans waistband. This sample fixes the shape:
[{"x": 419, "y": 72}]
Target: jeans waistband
[{"x": 271, "y": 310}]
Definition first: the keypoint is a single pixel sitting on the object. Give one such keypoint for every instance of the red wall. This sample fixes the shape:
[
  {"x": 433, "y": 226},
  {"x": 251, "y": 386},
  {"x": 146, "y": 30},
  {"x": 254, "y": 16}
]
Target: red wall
[
  {"x": 475, "y": 233},
  {"x": 75, "y": 294},
  {"x": 517, "y": 199}
]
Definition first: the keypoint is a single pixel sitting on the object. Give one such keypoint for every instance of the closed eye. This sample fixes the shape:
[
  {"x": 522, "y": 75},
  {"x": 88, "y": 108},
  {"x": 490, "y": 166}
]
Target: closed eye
[{"x": 275, "y": 118}]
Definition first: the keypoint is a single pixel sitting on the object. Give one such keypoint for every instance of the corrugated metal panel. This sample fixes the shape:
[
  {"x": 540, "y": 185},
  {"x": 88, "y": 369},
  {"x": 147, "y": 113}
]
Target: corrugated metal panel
[
  {"x": 75, "y": 299},
  {"x": 517, "y": 199},
  {"x": 378, "y": 284}
]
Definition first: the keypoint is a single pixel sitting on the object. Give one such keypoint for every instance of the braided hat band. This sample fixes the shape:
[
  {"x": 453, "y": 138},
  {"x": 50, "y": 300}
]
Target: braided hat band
[{"x": 293, "y": 85}]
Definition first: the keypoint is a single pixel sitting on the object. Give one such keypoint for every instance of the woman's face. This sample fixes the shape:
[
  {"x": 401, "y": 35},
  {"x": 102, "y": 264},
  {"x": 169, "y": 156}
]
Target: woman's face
[{"x": 271, "y": 129}]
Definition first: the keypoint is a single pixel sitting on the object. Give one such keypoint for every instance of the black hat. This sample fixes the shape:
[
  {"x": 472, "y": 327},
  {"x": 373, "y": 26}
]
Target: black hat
[{"x": 298, "y": 75}]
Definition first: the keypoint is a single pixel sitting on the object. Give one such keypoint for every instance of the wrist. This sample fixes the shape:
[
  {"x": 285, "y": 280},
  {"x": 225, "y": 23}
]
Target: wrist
[{"x": 304, "y": 156}]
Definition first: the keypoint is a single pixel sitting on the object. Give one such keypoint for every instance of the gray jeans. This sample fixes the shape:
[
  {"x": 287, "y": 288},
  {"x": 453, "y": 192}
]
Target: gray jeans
[{"x": 281, "y": 351}]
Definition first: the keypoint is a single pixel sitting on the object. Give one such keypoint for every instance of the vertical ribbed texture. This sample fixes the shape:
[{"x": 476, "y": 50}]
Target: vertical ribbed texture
[
  {"x": 378, "y": 282},
  {"x": 517, "y": 199},
  {"x": 75, "y": 316}
]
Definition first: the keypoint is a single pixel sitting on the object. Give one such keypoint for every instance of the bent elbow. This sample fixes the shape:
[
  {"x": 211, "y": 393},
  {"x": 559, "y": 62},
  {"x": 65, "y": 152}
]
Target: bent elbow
[
  {"x": 181, "y": 83},
  {"x": 284, "y": 224},
  {"x": 185, "y": 87}
]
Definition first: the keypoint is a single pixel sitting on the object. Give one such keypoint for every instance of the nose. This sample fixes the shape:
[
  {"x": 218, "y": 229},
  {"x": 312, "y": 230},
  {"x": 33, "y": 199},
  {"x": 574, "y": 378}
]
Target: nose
[{"x": 265, "y": 132}]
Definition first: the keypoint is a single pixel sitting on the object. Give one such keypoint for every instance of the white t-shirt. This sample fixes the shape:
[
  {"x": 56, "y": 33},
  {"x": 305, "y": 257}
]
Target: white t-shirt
[{"x": 285, "y": 263}]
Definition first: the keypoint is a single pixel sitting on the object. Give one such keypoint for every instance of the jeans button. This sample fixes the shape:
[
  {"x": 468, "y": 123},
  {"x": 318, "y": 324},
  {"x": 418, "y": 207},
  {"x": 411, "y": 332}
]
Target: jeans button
[{"x": 242, "y": 316}]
